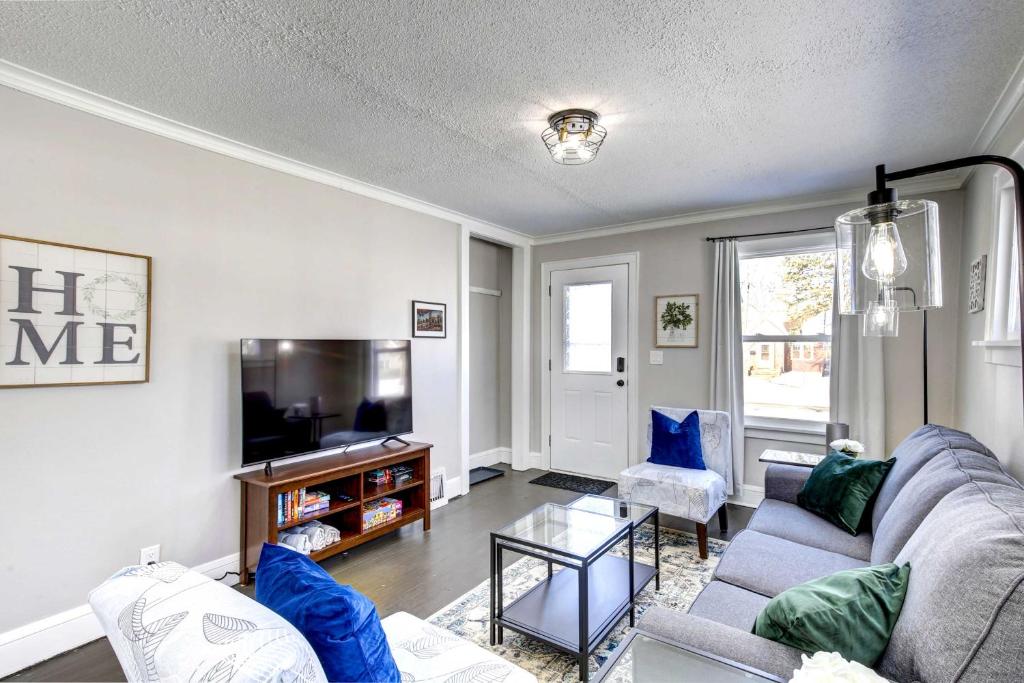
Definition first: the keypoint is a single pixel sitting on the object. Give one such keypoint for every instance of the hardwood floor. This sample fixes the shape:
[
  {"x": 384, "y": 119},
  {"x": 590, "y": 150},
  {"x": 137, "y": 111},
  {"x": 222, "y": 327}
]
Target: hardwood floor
[{"x": 408, "y": 570}]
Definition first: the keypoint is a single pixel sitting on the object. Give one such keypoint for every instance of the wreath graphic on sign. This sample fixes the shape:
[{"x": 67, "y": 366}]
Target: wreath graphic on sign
[{"x": 99, "y": 284}]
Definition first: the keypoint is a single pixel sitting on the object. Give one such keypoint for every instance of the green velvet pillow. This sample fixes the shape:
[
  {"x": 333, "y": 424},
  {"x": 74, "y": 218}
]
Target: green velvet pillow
[
  {"x": 851, "y": 612},
  {"x": 840, "y": 488}
]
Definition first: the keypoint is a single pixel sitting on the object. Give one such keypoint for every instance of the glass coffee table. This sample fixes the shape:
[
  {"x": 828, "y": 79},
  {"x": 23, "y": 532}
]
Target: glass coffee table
[
  {"x": 643, "y": 657},
  {"x": 574, "y": 611}
]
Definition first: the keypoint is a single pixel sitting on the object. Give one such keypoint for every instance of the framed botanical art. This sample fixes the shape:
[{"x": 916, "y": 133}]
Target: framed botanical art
[
  {"x": 675, "y": 321},
  {"x": 429, "y": 319},
  {"x": 72, "y": 315}
]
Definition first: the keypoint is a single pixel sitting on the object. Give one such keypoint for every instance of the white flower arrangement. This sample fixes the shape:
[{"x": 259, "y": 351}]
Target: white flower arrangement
[
  {"x": 848, "y": 446},
  {"x": 830, "y": 667}
]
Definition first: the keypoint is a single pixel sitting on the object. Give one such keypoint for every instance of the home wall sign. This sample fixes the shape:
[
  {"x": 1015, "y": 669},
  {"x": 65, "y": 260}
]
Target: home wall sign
[{"x": 72, "y": 315}]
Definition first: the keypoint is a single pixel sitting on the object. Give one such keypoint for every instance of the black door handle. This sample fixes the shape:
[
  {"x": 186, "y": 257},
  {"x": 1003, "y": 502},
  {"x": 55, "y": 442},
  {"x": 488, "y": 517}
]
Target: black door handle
[
  {"x": 620, "y": 364},
  {"x": 621, "y": 383}
]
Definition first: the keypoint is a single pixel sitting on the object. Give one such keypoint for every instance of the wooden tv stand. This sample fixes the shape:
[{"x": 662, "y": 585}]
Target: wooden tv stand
[{"x": 343, "y": 473}]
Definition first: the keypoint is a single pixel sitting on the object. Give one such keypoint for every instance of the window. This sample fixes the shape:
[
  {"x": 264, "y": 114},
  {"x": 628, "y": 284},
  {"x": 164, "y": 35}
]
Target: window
[
  {"x": 588, "y": 328},
  {"x": 1004, "y": 315},
  {"x": 787, "y": 327}
]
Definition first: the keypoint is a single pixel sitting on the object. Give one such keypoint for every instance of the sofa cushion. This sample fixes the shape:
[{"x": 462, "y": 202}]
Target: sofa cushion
[
  {"x": 169, "y": 623},
  {"x": 676, "y": 442},
  {"x": 677, "y": 491},
  {"x": 793, "y": 523},
  {"x": 840, "y": 488},
  {"x": 769, "y": 565},
  {"x": 728, "y": 604},
  {"x": 851, "y": 612},
  {"x": 964, "y": 612},
  {"x": 911, "y": 455},
  {"x": 339, "y": 622},
  {"x": 425, "y": 652},
  {"x": 946, "y": 471},
  {"x": 734, "y": 644}
]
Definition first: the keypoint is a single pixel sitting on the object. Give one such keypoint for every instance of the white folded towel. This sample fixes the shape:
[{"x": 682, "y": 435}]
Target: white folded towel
[
  {"x": 320, "y": 535},
  {"x": 295, "y": 541}
]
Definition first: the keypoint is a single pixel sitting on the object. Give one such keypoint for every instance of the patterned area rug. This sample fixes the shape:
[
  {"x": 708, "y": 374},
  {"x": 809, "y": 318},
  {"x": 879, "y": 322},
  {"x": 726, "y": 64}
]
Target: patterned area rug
[
  {"x": 683, "y": 575},
  {"x": 571, "y": 482}
]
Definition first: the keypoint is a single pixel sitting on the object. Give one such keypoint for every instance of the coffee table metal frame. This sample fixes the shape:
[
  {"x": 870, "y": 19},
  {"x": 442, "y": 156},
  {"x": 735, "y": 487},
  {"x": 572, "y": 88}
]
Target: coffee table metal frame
[
  {"x": 624, "y": 645},
  {"x": 587, "y": 639}
]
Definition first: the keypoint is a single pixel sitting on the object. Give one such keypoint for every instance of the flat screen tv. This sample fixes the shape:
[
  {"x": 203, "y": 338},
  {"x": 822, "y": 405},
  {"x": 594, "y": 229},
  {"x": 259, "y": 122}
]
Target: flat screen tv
[{"x": 305, "y": 395}]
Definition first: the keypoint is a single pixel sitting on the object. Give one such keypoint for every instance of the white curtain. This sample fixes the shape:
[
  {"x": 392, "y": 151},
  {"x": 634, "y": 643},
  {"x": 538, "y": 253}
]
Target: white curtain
[
  {"x": 857, "y": 386},
  {"x": 727, "y": 352}
]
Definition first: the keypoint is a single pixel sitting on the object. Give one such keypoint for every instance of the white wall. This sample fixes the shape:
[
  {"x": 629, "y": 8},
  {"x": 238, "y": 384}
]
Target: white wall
[
  {"x": 678, "y": 260},
  {"x": 490, "y": 353},
  {"x": 92, "y": 474},
  {"x": 988, "y": 396}
]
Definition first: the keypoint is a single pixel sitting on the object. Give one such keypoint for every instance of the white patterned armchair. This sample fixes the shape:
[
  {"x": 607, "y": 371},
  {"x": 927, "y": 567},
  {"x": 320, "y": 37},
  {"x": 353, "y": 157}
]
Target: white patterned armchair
[{"x": 691, "y": 494}]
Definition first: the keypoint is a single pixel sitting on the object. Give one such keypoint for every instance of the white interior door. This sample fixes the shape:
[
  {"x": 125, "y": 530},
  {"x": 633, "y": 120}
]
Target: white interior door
[{"x": 589, "y": 406}]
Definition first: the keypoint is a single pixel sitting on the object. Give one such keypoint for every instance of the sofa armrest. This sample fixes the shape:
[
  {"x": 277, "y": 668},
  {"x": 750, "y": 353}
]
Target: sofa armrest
[
  {"x": 783, "y": 482},
  {"x": 724, "y": 641}
]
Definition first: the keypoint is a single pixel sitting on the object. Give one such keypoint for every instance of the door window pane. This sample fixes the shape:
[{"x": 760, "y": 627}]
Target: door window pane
[{"x": 587, "y": 334}]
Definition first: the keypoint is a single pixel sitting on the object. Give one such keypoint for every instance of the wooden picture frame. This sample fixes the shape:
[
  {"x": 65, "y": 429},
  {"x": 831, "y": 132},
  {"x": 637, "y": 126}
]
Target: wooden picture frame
[
  {"x": 429, "y": 319},
  {"x": 73, "y": 315},
  {"x": 684, "y": 335}
]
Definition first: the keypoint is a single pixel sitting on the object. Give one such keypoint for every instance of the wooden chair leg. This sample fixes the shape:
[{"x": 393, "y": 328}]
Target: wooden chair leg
[
  {"x": 723, "y": 518},
  {"x": 702, "y": 540}
]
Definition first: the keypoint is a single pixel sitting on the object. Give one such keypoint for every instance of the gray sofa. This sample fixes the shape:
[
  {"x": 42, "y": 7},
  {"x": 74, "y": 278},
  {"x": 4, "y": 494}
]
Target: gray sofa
[{"x": 947, "y": 507}]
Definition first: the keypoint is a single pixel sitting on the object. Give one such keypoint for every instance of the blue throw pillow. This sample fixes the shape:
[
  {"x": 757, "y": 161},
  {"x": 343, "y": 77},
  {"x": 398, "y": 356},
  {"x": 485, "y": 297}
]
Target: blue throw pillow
[
  {"x": 340, "y": 623},
  {"x": 676, "y": 443}
]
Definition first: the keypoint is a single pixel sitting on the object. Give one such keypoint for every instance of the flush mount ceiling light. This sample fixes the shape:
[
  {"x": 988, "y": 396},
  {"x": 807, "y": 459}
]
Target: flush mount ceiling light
[{"x": 573, "y": 136}]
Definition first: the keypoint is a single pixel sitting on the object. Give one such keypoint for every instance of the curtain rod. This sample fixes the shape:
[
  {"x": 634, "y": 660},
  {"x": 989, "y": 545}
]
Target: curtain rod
[{"x": 766, "y": 234}]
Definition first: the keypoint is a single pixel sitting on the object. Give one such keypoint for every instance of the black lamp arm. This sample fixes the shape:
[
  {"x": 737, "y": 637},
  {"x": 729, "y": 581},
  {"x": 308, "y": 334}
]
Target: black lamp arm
[{"x": 1015, "y": 170}]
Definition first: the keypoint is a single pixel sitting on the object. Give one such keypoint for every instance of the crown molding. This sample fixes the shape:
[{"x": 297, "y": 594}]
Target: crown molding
[
  {"x": 1007, "y": 105},
  {"x": 34, "y": 83},
  {"x": 917, "y": 186}
]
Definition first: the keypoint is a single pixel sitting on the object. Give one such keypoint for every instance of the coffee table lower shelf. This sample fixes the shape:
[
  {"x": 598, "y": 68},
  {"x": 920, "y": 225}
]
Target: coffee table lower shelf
[{"x": 550, "y": 610}]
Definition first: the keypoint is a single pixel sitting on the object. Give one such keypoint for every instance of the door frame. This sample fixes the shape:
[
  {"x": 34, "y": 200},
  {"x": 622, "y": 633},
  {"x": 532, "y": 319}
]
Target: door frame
[{"x": 632, "y": 260}]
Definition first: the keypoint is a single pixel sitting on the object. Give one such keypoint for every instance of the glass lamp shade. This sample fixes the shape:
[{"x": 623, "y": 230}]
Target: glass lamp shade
[
  {"x": 882, "y": 319},
  {"x": 573, "y": 136},
  {"x": 892, "y": 246}
]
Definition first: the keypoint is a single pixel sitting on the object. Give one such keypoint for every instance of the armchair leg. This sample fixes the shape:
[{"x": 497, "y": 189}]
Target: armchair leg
[
  {"x": 723, "y": 518},
  {"x": 702, "y": 540}
]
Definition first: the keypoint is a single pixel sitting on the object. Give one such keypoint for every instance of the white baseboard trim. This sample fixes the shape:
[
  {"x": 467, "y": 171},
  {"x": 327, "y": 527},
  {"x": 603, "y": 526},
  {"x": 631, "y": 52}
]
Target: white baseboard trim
[
  {"x": 535, "y": 461},
  {"x": 48, "y": 637},
  {"x": 491, "y": 457},
  {"x": 748, "y": 496}
]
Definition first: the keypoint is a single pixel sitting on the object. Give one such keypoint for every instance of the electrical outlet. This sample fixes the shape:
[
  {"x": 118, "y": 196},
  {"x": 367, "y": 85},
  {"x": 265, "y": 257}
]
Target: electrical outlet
[{"x": 150, "y": 554}]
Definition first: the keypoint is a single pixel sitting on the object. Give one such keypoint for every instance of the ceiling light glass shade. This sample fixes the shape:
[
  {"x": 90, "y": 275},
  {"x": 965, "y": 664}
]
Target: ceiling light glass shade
[
  {"x": 893, "y": 246},
  {"x": 573, "y": 136}
]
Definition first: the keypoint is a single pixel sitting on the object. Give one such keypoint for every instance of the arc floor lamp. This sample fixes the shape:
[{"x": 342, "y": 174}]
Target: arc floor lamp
[{"x": 892, "y": 245}]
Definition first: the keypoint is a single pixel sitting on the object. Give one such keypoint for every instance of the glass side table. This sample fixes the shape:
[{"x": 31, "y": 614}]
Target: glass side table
[
  {"x": 637, "y": 513},
  {"x": 643, "y": 657},
  {"x": 771, "y": 455}
]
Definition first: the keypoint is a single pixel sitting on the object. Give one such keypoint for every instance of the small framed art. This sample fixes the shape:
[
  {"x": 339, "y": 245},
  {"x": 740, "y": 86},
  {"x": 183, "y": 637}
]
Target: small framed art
[
  {"x": 429, "y": 319},
  {"x": 675, "y": 321}
]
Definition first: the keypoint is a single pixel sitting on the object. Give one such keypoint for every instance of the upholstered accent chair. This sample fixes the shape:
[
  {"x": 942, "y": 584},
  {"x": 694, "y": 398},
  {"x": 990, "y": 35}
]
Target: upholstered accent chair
[{"x": 696, "y": 495}]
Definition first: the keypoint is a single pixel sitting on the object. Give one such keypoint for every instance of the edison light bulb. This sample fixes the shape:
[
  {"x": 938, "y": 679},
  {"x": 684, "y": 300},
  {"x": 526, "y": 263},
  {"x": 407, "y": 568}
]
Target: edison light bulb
[{"x": 884, "y": 258}]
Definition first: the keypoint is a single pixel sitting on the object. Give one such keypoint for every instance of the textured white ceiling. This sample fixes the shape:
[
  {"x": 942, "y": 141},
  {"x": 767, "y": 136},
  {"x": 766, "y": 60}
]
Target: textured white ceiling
[{"x": 707, "y": 103}]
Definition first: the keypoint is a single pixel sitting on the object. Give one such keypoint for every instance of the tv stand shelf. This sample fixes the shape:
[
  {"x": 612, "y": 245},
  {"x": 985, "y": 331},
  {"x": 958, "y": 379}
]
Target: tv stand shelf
[{"x": 340, "y": 473}]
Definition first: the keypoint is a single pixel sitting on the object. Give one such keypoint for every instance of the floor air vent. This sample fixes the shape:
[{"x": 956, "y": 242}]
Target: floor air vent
[{"x": 438, "y": 494}]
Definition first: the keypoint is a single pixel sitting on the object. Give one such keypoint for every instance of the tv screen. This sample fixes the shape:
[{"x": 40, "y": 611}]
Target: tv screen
[{"x": 302, "y": 395}]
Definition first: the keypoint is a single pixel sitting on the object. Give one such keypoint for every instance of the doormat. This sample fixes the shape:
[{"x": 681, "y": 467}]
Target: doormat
[
  {"x": 482, "y": 474},
  {"x": 570, "y": 482}
]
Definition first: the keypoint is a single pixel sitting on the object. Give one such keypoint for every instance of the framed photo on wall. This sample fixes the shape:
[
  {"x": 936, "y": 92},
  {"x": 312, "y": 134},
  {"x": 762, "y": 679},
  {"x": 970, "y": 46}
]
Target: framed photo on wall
[
  {"x": 72, "y": 315},
  {"x": 675, "y": 321},
  {"x": 429, "y": 319}
]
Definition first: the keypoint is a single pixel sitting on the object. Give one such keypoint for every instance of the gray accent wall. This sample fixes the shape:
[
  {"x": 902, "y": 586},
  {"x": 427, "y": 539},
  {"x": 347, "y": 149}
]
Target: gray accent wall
[
  {"x": 678, "y": 260},
  {"x": 490, "y": 353},
  {"x": 988, "y": 396},
  {"x": 238, "y": 251}
]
